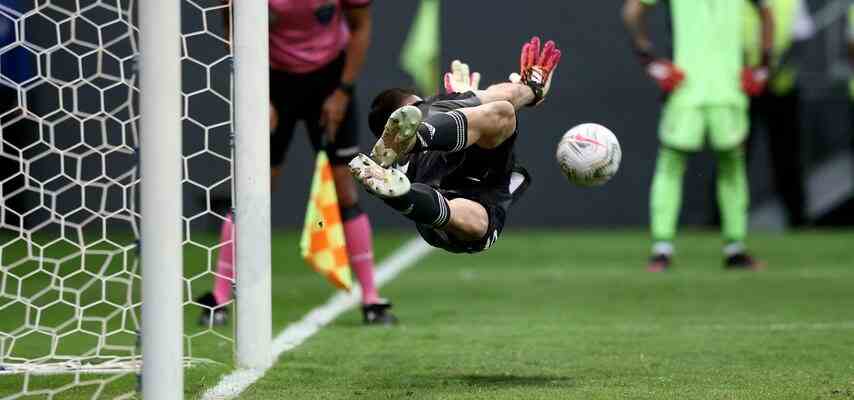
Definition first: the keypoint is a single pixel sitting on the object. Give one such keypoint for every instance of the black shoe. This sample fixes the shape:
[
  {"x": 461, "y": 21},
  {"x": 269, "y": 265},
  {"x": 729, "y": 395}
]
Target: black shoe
[
  {"x": 211, "y": 314},
  {"x": 743, "y": 262},
  {"x": 378, "y": 314},
  {"x": 659, "y": 263}
]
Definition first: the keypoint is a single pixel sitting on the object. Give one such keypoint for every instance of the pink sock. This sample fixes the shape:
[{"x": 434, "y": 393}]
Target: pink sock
[
  {"x": 225, "y": 263},
  {"x": 360, "y": 248}
]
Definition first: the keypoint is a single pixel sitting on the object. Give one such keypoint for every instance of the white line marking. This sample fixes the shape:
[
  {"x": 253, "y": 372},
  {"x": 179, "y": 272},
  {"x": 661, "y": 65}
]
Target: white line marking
[{"x": 295, "y": 334}]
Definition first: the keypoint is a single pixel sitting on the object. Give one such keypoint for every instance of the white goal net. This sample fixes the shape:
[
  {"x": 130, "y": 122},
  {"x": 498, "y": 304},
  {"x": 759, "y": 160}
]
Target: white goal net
[{"x": 69, "y": 224}]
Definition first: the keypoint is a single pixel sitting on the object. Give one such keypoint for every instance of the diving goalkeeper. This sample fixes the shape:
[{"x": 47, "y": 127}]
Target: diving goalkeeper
[{"x": 447, "y": 162}]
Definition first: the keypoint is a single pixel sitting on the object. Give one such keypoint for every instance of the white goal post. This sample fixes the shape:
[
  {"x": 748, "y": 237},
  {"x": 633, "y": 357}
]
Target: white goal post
[
  {"x": 137, "y": 127},
  {"x": 252, "y": 175},
  {"x": 161, "y": 199}
]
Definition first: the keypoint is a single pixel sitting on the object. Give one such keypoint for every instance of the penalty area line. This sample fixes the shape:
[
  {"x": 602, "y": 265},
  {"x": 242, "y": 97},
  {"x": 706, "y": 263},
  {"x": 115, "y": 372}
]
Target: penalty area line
[{"x": 296, "y": 333}]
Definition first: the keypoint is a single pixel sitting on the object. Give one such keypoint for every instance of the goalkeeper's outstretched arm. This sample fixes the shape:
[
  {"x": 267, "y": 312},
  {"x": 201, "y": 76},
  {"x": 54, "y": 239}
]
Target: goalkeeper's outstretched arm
[
  {"x": 460, "y": 80},
  {"x": 517, "y": 94}
]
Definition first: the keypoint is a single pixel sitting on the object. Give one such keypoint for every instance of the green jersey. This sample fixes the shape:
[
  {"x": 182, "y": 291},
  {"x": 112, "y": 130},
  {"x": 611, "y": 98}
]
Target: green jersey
[{"x": 708, "y": 45}]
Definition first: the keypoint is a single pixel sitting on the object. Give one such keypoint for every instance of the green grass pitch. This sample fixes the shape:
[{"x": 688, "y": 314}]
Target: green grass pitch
[{"x": 572, "y": 315}]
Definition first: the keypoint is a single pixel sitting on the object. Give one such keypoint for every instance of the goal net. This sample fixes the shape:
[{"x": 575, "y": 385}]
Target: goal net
[{"x": 69, "y": 223}]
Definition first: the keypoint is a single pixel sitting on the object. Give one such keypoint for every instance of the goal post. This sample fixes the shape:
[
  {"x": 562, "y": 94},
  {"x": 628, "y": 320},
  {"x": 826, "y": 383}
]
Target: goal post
[
  {"x": 129, "y": 133},
  {"x": 161, "y": 250},
  {"x": 252, "y": 183}
]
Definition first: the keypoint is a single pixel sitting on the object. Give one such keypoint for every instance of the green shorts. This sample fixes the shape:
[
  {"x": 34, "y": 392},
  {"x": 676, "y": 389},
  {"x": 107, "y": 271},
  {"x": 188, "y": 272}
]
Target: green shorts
[{"x": 685, "y": 128}]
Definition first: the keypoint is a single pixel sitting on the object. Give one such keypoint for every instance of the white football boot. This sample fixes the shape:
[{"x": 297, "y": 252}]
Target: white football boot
[
  {"x": 399, "y": 136},
  {"x": 383, "y": 182}
]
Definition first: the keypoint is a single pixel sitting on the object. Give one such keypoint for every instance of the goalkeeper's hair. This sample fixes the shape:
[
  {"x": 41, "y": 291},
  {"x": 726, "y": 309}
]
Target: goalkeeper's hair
[{"x": 383, "y": 105}]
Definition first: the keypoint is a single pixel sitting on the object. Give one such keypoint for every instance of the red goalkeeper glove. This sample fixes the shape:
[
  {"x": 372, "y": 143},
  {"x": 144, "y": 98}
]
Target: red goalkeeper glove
[
  {"x": 537, "y": 68},
  {"x": 666, "y": 74},
  {"x": 754, "y": 80}
]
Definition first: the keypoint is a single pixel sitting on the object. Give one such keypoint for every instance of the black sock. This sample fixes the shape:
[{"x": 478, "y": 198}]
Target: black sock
[
  {"x": 443, "y": 132},
  {"x": 424, "y": 205}
]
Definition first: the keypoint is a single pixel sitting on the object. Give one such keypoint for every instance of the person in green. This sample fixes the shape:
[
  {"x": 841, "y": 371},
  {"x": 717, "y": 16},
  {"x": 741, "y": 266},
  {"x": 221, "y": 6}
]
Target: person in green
[
  {"x": 778, "y": 108},
  {"x": 707, "y": 84}
]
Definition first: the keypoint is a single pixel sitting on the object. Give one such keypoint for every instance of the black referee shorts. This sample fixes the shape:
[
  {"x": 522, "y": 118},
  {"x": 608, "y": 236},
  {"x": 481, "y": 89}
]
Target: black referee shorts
[{"x": 300, "y": 97}]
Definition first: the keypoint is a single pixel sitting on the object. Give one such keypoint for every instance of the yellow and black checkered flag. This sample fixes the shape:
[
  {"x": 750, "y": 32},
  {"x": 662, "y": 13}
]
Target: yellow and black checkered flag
[{"x": 323, "y": 245}]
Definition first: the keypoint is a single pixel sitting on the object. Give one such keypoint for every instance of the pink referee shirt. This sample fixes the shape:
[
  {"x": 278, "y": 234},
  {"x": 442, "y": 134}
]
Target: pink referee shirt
[{"x": 306, "y": 35}]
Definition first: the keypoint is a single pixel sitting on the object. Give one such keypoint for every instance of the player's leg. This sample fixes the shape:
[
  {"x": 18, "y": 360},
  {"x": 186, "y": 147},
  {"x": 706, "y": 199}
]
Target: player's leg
[
  {"x": 487, "y": 125},
  {"x": 225, "y": 258},
  {"x": 418, "y": 202},
  {"x": 665, "y": 204},
  {"x": 728, "y": 129},
  {"x": 732, "y": 194},
  {"x": 680, "y": 128},
  {"x": 214, "y": 313},
  {"x": 357, "y": 232},
  {"x": 357, "y": 225},
  {"x": 469, "y": 220},
  {"x": 225, "y": 262},
  {"x": 465, "y": 219},
  {"x": 360, "y": 248},
  {"x": 282, "y": 126}
]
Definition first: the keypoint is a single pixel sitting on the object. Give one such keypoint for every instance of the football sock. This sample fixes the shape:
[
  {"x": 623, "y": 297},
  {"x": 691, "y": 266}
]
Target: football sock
[
  {"x": 422, "y": 204},
  {"x": 443, "y": 132},
  {"x": 733, "y": 248},
  {"x": 225, "y": 263},
  {"x": 733, "y": 195},
  {"x": 662, "y": 248},
  {"x": 666, "y": 194},
  {"x": 360, "y": 249}
]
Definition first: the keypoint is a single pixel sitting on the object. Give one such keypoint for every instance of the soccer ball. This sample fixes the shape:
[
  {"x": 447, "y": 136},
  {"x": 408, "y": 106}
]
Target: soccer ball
[{"x": 589, "y": 155}]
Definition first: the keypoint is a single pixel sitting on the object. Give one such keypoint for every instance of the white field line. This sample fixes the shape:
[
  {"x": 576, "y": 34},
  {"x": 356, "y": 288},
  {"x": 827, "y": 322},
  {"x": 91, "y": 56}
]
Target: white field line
[{"x": 295, "y": 334}]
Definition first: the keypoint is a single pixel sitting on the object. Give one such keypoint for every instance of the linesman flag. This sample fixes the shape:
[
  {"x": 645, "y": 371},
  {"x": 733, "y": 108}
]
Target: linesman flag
[{"x": 322, "y": 244}]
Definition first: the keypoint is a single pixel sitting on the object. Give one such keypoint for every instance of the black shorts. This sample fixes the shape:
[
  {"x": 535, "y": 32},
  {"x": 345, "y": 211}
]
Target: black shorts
[
  {"x": 494, "y": 184},
  {"x": 496, "y": 201},
  {"x": 300, "y": 97}
]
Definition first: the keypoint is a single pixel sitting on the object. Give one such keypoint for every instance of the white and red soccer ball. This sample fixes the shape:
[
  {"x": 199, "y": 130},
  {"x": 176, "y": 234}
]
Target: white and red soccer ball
[{"x": 589, "y": 154}]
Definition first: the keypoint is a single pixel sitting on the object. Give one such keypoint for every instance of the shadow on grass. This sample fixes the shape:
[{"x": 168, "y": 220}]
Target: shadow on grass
[
  {"x": 511, "y": 380},
  {"x": 466, "y": 382}
]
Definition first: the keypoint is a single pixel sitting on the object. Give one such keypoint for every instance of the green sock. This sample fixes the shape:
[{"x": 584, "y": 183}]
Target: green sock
[
  {"x": 666, "y": 194},
  {"x": 733, "y": 194}
]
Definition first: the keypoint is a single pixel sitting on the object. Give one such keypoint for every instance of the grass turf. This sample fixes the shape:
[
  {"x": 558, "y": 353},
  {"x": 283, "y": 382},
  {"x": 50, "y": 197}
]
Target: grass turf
[
  {"x": 296, "y": 289},
  {"x": 548, "y": 315},
  {"x": 556, "y": 315}
]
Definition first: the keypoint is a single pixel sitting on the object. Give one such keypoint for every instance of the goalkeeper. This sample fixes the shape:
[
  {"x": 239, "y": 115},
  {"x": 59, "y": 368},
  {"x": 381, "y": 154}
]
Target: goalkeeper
[
  {"x": 447, "y": 162},
  {"x": 706, "y": 87}
]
